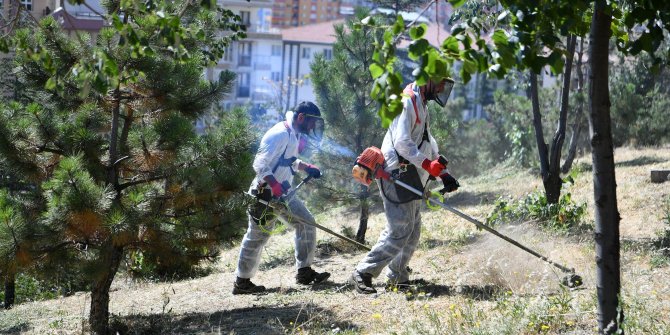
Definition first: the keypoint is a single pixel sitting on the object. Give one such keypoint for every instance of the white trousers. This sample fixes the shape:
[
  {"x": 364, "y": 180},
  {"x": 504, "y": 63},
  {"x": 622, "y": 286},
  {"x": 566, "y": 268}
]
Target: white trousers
[
  {"x": 397, "y": 242},
  {"x": 257, "y": 236}
]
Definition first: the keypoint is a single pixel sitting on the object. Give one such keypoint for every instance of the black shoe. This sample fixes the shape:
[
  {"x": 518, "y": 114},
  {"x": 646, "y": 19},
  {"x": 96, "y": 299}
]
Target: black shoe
[
  {"x": 308, "y": 276},
  {"x": 245, "y": 286},
  {"x": 362, "y": 282}
]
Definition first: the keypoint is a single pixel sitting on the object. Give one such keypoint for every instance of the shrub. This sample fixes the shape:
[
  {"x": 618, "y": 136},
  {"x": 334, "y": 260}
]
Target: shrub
[{"x": 562, "y": 216}]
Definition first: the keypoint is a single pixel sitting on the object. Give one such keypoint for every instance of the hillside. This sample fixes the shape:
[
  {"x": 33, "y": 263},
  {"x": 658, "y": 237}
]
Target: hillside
[{"x": 472, "y": 282}]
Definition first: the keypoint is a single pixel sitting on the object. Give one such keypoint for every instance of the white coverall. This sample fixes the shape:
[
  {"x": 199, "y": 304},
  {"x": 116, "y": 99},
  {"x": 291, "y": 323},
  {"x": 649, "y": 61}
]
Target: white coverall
[
  {"x": 277, "y": 141},
  {"x": 399, "y": 240}
]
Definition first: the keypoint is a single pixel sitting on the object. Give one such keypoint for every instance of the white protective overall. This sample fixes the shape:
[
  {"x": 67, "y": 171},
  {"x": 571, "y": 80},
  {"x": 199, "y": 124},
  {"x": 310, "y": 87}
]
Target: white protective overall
[
  {"x": 399, "y": 240},
  {"x": 281, "y": 139}
]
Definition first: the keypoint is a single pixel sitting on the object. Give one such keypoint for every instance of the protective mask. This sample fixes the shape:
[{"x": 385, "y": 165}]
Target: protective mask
[{"x": 442, "y": 96}]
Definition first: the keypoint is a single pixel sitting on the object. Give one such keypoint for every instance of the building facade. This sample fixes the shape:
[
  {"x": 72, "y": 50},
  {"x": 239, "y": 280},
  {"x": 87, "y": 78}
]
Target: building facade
[{"x": 293, "y": 13}]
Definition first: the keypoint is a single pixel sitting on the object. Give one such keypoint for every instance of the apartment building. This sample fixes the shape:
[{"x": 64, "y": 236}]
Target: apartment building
[
  {"x": 299, "y": 46},
  {"x": 293, "y": 13},
  {"x": 256, "y": 60}
]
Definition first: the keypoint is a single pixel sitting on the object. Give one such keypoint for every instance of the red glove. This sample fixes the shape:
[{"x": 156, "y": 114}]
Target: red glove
[
  {"x": 277, "y": 188},
  {"x": 433, "y": 167}
]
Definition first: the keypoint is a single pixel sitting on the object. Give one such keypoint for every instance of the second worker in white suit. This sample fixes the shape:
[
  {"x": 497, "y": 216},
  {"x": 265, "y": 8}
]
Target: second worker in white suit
[{"x": 275, "y": 164}]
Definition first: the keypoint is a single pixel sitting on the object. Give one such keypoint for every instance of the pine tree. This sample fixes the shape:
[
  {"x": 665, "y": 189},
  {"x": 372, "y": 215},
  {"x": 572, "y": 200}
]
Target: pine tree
[
  {"x": 110, "y": 141},
  {"x": 342, "y": 87}
]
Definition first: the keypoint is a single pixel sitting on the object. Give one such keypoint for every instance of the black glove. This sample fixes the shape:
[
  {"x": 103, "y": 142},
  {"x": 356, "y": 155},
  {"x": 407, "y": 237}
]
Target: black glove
[
  {"x": 313, "y": 171},
  {"x": 450, "y": 183}
]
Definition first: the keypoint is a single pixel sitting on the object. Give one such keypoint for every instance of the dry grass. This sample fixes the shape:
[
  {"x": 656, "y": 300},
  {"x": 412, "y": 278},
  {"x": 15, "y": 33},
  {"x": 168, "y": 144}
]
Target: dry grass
[{"x": 473, "y": 283}]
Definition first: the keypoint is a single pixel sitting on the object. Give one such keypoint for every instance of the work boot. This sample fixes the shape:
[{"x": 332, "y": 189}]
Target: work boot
[
  {"x": 307, "y": 275},
  {"x": 362, "y": 282},
  {"x": 245, "y": 286}
]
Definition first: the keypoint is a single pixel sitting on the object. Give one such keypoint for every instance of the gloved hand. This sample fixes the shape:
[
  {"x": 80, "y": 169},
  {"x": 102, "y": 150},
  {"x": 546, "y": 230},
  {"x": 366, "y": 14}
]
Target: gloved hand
[
  {"x": 312, "y": 171},
  {"x": 450, "y": 183},
  {"x": 277, "y": 189},
  {"x": 433, "y": 167}
]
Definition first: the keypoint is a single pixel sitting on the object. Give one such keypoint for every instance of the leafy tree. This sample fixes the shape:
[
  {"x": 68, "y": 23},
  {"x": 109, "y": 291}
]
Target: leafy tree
[
  {"x": 110, "y": 141},
  {"x": 341, "y": 87},
  {"x": 535, "y": 38}
]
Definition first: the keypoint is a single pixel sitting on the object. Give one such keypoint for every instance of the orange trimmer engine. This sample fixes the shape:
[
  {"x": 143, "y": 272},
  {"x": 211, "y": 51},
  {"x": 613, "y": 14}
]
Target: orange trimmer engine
[{"x": 368, "y": 165}]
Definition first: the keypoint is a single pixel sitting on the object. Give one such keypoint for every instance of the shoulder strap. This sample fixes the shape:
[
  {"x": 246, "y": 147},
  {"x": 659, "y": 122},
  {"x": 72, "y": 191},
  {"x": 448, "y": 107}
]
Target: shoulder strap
[
  {"x": 282, "y": 160},
  {"x": 409, "y": 90}
]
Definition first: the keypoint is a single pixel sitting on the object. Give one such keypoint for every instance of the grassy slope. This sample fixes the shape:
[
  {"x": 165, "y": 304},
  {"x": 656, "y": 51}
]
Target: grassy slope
[{"x": 475, "y": 284}]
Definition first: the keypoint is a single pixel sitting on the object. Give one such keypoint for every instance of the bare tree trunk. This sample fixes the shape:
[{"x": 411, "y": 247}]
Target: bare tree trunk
[
  {"x": 99, "y": 315},
  {"x": 578, "y": 124},
  {"x": 552, "y": 180},
  {"x": 607, "y": 217},
  {"x": 10, "y": 290},
  {"x": 365, "y": 213},
  {"x": 552, "y": 193}
]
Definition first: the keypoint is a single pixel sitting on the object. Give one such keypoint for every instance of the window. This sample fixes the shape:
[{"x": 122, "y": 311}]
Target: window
[
  {"x": 244, "y": 54},
  {"x": 246, "y": 17},
  {"x": 276, "y": 76},
  {"x": 243, "y": 88},
  {"x": 328, "y": 54},
  {"x": 228, "y": 53},
  {"x": 306, "y": 53},
  {"x": 28, "y": 4},
  {"x": 276, "y": 50},
  {"x": 313, "y": 7}
]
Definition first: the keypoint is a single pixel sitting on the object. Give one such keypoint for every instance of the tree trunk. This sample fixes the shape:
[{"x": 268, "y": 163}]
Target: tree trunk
[
  {"x": 99, "y": 316},
  {"x": 365, "y": 212},
  {"x": 10, "y": 291},
  {"x": 552, "y": 180},
  {"x": 604, "y": 182},
  {"x": 550, "y": 192},
  {"x": 578, "y": 124}
]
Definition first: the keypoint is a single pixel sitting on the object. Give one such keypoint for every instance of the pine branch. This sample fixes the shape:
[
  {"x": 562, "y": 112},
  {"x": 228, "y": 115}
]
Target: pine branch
[{"x": 122, "y": 187}]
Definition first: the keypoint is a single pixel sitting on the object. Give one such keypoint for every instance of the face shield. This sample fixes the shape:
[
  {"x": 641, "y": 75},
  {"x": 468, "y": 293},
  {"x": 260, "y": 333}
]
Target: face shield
[
  {"x": 442, "y": 96},
  {"x": 314, "y": 135}
]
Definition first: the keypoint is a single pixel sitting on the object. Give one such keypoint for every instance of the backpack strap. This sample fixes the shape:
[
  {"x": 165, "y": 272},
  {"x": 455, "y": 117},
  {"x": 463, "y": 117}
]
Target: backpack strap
[
  {"x": 285, "y": 161},
  {"x": 409, "y": 90}
]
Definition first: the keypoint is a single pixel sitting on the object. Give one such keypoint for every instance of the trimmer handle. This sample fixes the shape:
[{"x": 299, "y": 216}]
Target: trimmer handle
[{"x": 443, "y": 160}]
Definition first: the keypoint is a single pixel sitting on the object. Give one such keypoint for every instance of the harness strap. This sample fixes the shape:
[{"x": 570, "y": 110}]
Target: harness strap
[
  {"x": 285, "y": 161},
  {"x": 409, "y": 90}
]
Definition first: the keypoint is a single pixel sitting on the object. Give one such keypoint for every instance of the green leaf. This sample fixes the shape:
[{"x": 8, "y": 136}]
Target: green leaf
[
  {"x": 418, "y": 48},
  {"x": 556, "y": 62},
  {"x": 417, "y": 32},
  {"x": 450, "y": 45},
  {"x": 399, "y": 25},
  {"x": 457, "y": 3},
  {"x": 376, "y": 71},
  {"x": 50, "y": 84},
  {"x": 499, "y": 38}
]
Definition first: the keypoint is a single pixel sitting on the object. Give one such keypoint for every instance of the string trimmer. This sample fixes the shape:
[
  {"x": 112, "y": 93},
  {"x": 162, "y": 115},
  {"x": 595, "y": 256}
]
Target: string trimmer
[
  {"x": 281, "y": 208},
  {"x": 369, "y": 166}
]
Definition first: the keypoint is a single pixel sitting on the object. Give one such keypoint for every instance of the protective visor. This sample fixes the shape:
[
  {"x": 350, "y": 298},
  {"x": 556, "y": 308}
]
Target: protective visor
[
  {"x": 319, "y": 125},
  {"x": 442, "y": 96}
]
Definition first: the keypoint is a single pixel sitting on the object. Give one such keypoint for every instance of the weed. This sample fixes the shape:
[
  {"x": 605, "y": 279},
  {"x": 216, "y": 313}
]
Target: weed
[{"x": 561, "y": 216}]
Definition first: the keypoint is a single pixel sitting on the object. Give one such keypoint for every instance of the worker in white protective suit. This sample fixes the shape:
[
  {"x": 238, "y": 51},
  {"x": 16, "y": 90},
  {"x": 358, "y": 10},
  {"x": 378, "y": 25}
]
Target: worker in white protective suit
[
  {"x": 410, "y": 152},
  {"x": 275, "y": 164}
]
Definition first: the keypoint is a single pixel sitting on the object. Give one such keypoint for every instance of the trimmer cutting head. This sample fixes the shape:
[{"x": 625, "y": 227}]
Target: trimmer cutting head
[{"x": 572, "y": 281}]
